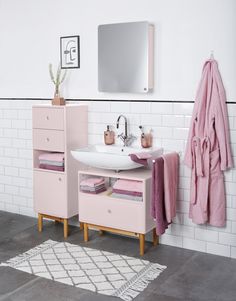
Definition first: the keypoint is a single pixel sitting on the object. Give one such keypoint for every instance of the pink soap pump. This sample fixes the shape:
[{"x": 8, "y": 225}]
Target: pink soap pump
[{"x": 146, "y": 139}]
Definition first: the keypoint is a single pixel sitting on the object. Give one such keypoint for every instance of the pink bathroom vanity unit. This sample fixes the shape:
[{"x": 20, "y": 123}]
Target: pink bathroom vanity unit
[
  {"x": 57, "y": 129},
  {"x": 114, "y": 214}
]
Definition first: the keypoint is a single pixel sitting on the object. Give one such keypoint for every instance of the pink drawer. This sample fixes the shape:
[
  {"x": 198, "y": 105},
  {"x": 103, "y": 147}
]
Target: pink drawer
[
  {"x": 48, "y": 118},
  {"x": 115, "y": 213},
  {"x": 50, "y": 140},
  {"x": 50, "y": 193}
]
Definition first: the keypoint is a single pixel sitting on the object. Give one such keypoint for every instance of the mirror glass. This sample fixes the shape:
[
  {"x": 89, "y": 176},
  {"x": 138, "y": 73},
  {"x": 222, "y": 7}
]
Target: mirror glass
[{"x": 125, "y": 57}]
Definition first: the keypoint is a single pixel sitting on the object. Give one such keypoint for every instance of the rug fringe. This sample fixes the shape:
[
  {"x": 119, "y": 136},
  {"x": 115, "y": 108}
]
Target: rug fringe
[
  {"x": 131, "y": 289},
  {"x": 32, "y": 252}
]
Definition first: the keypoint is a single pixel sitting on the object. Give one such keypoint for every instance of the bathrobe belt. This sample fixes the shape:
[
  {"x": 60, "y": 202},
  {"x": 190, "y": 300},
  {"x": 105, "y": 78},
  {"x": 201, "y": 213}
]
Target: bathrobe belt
[{"x": 201, "y": 167}]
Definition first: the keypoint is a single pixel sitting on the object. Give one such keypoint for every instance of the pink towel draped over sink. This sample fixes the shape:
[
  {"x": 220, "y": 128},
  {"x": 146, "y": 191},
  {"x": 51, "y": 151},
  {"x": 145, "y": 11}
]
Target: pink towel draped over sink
[
  {"x": 136, "y": 159},
  {"x": 145, "y": 158},
  {"x": 171, "y": 172},
  {"x": 157, "y": 201},
  {"x": 144, "y": 155},
  {"x": 164, "y": 190}
]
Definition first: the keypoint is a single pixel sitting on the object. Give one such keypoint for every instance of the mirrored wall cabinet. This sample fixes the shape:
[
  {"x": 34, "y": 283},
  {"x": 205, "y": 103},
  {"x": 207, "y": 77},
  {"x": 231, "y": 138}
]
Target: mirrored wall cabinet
[{"x": 125, "y": 57}]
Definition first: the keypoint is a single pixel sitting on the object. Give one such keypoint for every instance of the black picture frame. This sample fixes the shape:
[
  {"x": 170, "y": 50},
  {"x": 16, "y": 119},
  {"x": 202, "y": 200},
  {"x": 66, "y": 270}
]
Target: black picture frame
[{"x": 70, "y": 52}]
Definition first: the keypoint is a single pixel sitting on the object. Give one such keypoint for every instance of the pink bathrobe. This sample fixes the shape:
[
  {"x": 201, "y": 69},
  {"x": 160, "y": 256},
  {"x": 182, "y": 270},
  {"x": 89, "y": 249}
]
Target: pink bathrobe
[{"x": 208, "y": 150}]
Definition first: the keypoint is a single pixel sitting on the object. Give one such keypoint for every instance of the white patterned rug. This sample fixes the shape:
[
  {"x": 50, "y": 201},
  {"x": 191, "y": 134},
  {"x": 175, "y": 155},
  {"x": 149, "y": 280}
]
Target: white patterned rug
[{"x": 98, "y": 271}]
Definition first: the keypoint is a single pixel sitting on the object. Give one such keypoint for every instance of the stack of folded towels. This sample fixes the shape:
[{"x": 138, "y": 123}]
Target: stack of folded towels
[
  {"x": 93, "y": 185},
  {"x": 128, "y": 189},
  {"x": 53, "y": 161}
]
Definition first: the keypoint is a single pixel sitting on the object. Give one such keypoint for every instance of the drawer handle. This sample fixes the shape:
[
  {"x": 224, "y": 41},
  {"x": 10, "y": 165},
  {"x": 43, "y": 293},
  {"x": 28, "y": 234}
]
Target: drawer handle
[
  {"x": 47, "y": 117},
  {"x": 109, "y": 210},
  {"x": 59, "y": 179},
  {"x": 47, "y": 139}
]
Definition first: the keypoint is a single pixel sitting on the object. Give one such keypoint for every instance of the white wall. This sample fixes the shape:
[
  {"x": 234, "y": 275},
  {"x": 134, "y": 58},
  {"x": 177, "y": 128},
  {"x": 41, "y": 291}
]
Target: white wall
[{"x": 185, "y": 33}]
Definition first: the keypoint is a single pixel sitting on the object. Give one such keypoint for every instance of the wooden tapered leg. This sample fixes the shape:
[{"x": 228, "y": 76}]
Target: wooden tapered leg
[
  {"x": 40, "y": 222},
  {"x": 141, "y": 244},
  {"x": 86, "y": 237},
  {"x": 65, "y": 221},
  {"x": 81, "y": 225},
  {"x": 155, "y": 237}
]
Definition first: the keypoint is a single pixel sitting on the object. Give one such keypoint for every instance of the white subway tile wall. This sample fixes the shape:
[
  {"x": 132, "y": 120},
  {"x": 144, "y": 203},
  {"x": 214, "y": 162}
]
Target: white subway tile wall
[
  {"x": 169, "y": 122},
  {"x": 16, "y": 156}
]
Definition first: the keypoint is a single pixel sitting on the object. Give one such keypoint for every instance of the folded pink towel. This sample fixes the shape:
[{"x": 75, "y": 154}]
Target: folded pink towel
[
  {"x": 127, "y": 192},
  {"x": 51, "y": 167},
  {"x": 58, "y": 157},
  {"x": 91, "y": 182},
  {"x": 95, "y": 191},
  {"x": 128, "y": 185}
]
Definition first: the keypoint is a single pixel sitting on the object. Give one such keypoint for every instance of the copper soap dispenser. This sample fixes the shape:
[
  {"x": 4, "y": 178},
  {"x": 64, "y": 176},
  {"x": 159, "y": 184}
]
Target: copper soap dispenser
[
  {"x": 109, "y": 136},
  {"x": 146, "y": 139}
]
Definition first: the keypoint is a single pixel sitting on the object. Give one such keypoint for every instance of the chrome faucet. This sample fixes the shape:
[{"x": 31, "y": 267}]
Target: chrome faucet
[{"x": 127, "y": 139}]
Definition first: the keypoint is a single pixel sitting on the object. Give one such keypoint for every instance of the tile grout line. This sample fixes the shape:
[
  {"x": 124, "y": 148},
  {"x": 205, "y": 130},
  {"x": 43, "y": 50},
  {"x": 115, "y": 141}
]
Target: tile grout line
[{"x": 3, "y": 297}]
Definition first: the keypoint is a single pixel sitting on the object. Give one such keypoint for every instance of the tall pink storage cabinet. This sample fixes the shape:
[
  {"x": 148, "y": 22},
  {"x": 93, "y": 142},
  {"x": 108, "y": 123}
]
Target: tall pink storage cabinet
[{"x": 57, "y": 129}]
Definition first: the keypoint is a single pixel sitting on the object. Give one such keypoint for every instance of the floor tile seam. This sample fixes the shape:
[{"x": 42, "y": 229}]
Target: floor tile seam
[{"x": 30, "y": 282}]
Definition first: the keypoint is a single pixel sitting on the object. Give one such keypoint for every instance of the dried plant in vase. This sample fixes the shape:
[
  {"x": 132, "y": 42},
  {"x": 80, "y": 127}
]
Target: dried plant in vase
[{"x": 57, "y": 80}]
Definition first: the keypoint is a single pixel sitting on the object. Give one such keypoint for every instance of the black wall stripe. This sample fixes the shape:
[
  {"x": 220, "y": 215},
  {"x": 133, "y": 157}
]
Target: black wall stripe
[{"x": 117, "y": 100}]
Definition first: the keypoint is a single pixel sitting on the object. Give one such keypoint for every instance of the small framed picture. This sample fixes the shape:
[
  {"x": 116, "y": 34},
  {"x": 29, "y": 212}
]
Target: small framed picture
[{"x": 70, "y": 52}]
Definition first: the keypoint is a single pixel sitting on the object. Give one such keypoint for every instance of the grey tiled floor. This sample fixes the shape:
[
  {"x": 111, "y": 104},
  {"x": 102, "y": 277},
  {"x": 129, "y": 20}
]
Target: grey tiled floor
[{"x": 190, "y": 276}]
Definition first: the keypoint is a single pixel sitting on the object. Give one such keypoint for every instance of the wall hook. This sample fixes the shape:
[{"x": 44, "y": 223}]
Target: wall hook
[{"x": 212, "y": 55}]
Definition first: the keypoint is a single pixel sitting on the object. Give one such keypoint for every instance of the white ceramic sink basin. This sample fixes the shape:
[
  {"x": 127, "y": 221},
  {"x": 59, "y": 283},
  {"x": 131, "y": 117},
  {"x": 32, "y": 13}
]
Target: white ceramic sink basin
[{"x": 110, "y": 156}]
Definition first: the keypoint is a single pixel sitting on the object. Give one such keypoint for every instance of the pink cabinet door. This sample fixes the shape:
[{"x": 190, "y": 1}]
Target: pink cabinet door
[
  {"x": 50, "y": 140},
  {"x": 50, "y": 193},
  {"x": 48, "y": 118},
  {"x": 115, "y": 213}
]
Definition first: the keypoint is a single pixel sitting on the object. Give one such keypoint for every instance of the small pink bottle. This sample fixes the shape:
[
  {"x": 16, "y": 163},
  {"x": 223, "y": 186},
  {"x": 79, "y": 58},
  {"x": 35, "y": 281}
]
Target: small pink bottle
[
  {"x": 109, "y": 136},
  {"x": 146, "y": 140}
]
